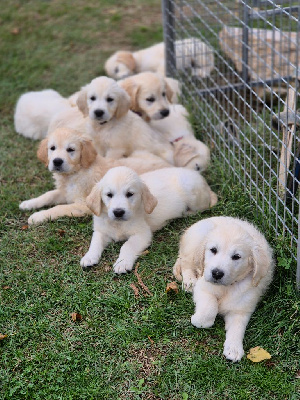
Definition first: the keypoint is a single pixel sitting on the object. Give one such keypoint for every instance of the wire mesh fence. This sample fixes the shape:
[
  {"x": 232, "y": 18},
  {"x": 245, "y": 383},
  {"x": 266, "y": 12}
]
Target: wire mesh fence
[{"x": 241, "y": 83}]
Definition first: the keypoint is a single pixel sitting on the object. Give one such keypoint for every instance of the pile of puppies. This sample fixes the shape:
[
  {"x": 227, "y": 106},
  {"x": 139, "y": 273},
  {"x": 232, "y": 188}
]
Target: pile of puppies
[{"x": 124, "y": 152}]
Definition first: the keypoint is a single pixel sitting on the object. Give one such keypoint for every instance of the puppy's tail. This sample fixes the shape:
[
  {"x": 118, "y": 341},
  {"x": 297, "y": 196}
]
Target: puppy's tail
[
  {"x": 213, "y": 198},
  {"x": 177, "y": 269}
]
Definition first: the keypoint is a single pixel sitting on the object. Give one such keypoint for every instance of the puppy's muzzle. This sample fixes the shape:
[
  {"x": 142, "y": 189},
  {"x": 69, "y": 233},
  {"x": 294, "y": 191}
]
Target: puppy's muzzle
[
  {"x": 164, "y": 113},
  {"x": 57, "y": 163},
  {"x": 217, "y": 274},
  {"x": 119, "y": 213}
]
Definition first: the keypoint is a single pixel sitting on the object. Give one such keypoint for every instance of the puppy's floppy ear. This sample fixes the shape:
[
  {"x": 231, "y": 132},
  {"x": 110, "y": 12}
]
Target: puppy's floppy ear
[
  {"x": 150, "y": 201},
  {"x": 94, "y": 200},
  {"x": 183, "y": 153},
  {"x": 260, "y": 262},
  {"x": 132, "y": 89},
  {"x": 88, "y": 153},
  {"x": 123, "y": 104},
  {"x": 82, "y": 102},
  {"x": 169, "y": 92},
  {"x": 199, "y": 257},
  {"x": 126, "y": 58},
  {"x": 42, "y": 151}
]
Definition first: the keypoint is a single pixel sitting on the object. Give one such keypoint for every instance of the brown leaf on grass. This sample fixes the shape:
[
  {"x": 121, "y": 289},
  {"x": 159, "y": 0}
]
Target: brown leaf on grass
[
  {"x": 151, "y": 341},
  {"x": 61, "y": 232},
  {"x": 144, "y": 252},
  {"x": 298, "y": 374},
  {"x": 6, "y": 287},
  {"x": 76, "y": 317},
  {"x": 15, "y": 31},
  {"x": 172, "y": 287},
  {"x": 257, "y": 354},
  {"x": 2, "y": 336},
  {"x": 141, "y": 283},
  {"x": 24, "y": 227},
  {"x": 135, "y": 289}
]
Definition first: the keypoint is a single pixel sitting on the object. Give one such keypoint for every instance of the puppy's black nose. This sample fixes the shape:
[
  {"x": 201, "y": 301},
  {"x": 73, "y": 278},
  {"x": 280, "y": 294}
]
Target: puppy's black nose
[
  {"x": 164, "y": 113},
  {"x": 57, "y": 162},
  {"x": 99, "y": 113},
  {"x": 119, "y": 212},
  {"x": 217, "y": 273}
]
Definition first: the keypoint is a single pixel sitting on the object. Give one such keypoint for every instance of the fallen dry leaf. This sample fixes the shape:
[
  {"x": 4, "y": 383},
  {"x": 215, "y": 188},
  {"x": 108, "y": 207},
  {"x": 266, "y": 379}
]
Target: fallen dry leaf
[
  {"x": 172, "y": 287},
  {"x": 144, "y": 252},
  {"x": 24, "y": 227},
  {"x": 135, "y": 289},
  {"x": 6, "y": 287},
  {"x": 76, "y": 316},
  {"x": 2, "y": 336},
  {"x": 61, "y": 232},
  {"x": 257, "y": 354}
]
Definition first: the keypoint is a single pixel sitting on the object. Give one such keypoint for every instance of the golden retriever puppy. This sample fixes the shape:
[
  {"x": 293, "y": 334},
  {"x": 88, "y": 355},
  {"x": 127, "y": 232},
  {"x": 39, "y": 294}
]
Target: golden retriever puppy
[
  {"x": 228, "y": 264},
  {"x": 130, "y": 207},
  {"x": 76, "y": 167},
  {"x": 150, "y": 96},
  {"x": 115, "y": 130},
  {"x": 191, "y": 54},
  {"x": 34, "y": 111}
]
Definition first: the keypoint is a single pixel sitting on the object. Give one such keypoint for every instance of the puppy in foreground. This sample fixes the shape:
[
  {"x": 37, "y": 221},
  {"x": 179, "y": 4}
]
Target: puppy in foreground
[
  {"x": 150, "y": 97},
  {"x": 228, "y": 264},
  {"x": 129, "y": 208},
  {"x": 191, "y": 53},
  {"x": 76, "y": 167}
]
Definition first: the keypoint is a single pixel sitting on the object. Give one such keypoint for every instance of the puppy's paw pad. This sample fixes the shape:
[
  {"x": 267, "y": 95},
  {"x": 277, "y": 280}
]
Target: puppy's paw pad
[
  {"x": 233, "y": 352},
  {"x": 121, "y": 267},
  {"x": 201, "y": 322}
]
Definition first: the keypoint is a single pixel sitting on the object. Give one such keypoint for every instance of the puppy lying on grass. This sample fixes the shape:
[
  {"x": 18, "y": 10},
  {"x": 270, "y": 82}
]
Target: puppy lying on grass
[
  {"x": 228, "y": 264},
  {"x": 129, "y": 208},
  {"x": 76, "y": 167},
  {"x": 150, "y": 97}
]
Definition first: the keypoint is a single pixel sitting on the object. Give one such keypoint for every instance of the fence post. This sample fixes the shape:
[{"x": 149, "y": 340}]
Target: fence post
[{"x": 169, "y": 35}]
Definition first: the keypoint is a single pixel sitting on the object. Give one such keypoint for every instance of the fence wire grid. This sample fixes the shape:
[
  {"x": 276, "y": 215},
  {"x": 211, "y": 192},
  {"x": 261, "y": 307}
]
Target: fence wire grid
[{"x": 241, "y": 86}]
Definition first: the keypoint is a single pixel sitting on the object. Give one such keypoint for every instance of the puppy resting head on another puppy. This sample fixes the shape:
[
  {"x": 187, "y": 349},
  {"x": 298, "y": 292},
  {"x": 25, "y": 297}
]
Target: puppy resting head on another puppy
[{"x": 120, "y": 65}]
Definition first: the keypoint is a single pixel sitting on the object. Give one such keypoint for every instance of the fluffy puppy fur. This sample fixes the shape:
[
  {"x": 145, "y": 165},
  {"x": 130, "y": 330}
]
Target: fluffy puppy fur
[
  {"x": 120, "y": 202},
  {"x": 115, "y": 130},
  {"x": 119, "y": 214},
  {"x": 34, "y": 111},
  {"x": 76, "y": 167},
  {"x": 228, "y": 264},
  {"x": 191, "y": 54},
  {"x": 150, "y": 96}
]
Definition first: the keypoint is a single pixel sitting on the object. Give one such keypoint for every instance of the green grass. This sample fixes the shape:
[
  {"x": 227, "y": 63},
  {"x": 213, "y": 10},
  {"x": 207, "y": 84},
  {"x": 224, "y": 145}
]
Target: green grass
[{"x": 125, "y": 347}]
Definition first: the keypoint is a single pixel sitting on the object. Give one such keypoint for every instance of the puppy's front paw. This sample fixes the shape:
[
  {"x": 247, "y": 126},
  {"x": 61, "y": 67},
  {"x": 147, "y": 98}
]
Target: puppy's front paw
[
  {"x": 201, "y": 321},
  {"x": 88, "y": 261},
  {"x": 122, "y": 266},
  {"x": 233, "y": 351},
  {"x": 189, "y": 280},
  {"x": 27, "y": 205},
  {"x": 37, "y": 218}
]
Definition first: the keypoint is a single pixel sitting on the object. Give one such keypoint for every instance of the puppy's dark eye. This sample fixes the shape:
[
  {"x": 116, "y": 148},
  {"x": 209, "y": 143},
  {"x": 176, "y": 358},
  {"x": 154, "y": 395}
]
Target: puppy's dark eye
[
  {"x": 129, "y": 194},
  {"x": 164, "y": 94},
  {"x": 109, "y": 99},
  {"x": 236, "y": 257},
  {"x": 116, "y": 70},
  {"x": 93, "y": 98},
  {"x": 70, "y": 150},
  {"x": 214, "y": 250},
  {"x": 110, "y": 195},
  {"x": 150, "y": 99},
  {"x": 52, "y": 148}
]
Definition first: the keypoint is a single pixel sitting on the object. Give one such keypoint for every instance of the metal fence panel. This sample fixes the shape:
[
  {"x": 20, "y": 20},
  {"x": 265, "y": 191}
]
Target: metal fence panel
[{"x": 247, "y": 102}]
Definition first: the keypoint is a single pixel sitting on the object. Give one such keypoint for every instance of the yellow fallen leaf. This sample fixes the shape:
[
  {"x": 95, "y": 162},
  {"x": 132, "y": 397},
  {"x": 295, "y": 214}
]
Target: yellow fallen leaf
[
  {"x": 257, "y": 354},
  {"x": 2, "y": 336},
  {"x": 172, "y": 287}
]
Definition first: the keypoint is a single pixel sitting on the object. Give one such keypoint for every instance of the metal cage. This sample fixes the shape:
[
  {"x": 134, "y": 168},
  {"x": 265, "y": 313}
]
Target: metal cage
[{"x": 242, "y": 88}]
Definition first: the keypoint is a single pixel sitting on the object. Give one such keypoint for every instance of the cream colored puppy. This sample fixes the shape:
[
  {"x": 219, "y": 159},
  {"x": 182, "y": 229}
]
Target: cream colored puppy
[
  {"x": 191, "y": 53},
  {"x": 150, "y": 98},
  {"x": 34, "y": 111},
  {"x": 115, "y": 130},
  {"x": 124, "y": 208},
  {"x": 76, "y": 167},
  {"x": 228, "y": 264},
  {"x": 120, "y": 202}
]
